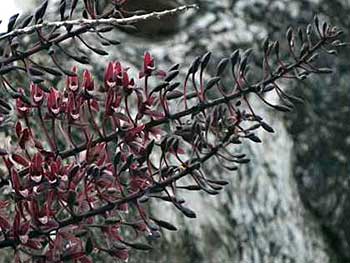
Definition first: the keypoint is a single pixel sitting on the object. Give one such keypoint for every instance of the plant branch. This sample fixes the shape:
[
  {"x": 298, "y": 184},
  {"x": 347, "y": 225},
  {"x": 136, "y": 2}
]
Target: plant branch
[
  {"x": 195, "y": 109},
  {"x": 99, "y": 21},
  {"x": 203, "y": 106},
  {"x": 131, "y": 197}
]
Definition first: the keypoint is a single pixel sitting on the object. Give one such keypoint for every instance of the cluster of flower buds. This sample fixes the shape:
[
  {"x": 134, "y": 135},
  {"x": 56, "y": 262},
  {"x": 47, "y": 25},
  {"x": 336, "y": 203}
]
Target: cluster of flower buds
[{"x": 88, "y": 157}]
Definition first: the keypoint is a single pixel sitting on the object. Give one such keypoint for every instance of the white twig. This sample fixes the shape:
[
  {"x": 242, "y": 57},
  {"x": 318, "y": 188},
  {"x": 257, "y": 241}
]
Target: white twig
[{"x": 99, "y": 21}]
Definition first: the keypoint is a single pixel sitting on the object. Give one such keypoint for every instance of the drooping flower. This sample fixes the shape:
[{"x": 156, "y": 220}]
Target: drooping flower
[
  {"x": 109, "y": 77},
  {"x": 23, "y": 108},
  {"x": 145, "y": 107},
  {"x": 148, "y": 65},
  {"x": 88, "y": 83},
  {"x": 73, "y": 107},
  {"x": 53, "y": 102},
  {"x": 36, "y": 169},
  {"x": 73, "y": 81},
  {"x": 37, "y": 94},
  {"x": 128, "y": 84}
]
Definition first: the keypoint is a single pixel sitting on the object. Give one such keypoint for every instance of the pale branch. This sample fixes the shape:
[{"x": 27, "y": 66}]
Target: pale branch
[{"x": 98, "y": 21}]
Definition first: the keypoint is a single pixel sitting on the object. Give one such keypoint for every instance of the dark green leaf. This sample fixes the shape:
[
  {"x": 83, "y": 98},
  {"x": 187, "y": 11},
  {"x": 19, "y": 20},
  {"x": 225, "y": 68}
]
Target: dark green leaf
[
  {"x": 149, "y": 148},
  {"x": 174, "y": 95},
  {"x": 128, "y": 28},
  {"x": 173, "y": 86},
  {"x": 194, "y": 65},
  {"x": 174, "y": 67},
  {"x": 139, "y": 246},
  {"x": 171, "y": 75},
  {"x": 289, "y": 34},
  {"x": 35, "y": 72},
  {"x": 165, "y": 224},
  {"x": 242, "y": 161},
  {"x": 62, "y": 9},
  {"x": 26, "y": 21},
  {"x": 254, "y": 138},
  {"x": 36, "y": 79},
  {"x": 212, "y": 82},
  {"x": 6, "y": 69},
  {"x": 117, "y": 158},
  {"x": 234, "y": 58},
  {"x": 205, "y": 60},
  {"x": 4, "y": 111},
  {"x": 187, "y": 212},
  {"x": 267, "y": 127},
  {"x": 50, "y": 70},
  {"x": 72, "y": 198},
  {"x": 190, "y": 187},
  {"x": 25, "y": 99},
  {"x": 12, "y": 22},
  {"x": 73, "y": 6},
  {"x": 3, "y": 152},
  {"x": 325, "y": 70},
  {"x": 219, "y": 182},
  {"x": 89, "y": 246},
  {"x": 4, "y": 104},
  {"x": 221, "y": 66},
  {"x": 105, "y": 29},
  {"x": 40, "y": 12},
  {"x": 94, "y": 49},
  {"x": 266, "y": 45},
  {"x": 282, "y": 108}
]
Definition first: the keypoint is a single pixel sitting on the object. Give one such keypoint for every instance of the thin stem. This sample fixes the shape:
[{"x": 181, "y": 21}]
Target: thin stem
[
  {"x": 93, "y": 120},
  {"x": 99, "y": 21},
  {"x": 54, "y": 134},
  {"x": 43, "y": 126},
  {"x": 128, "y": 110}
]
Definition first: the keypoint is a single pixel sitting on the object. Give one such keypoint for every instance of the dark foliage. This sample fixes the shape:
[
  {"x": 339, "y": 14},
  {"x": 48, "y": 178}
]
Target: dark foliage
[{"x": 88, "y": 156}]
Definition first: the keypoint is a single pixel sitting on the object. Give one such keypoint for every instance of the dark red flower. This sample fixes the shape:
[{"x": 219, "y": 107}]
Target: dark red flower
[
  {"x": 16, "y": 184},
  {"x": 128, "y": 84},
  {"x": 18, "y": 129},
  {"x": 53, "y": 102},
  {"x": 23, "y": 108},
  {"x": 24, "y": 138},
  {"x": 88, "y": 83},
  {"x": 37, "y": 94},
  {"x": 145, "y": 107},
  {"x": 3, "y": 152},
  {"x": 73, "y": 107},
  {"x": 109, "y": 78},
  {"x": 148, "y": 65},
  {"x": 113, "y": 101},
  {"x": 73, "y": 81},
  {"x": 20, "y": 160},
  {"x": 36, "y": 169},
  {"x": 54, "y": 170},
  {"x": 21, "y": 229},
  {"x": 134, "y": 132},
  {"x": 118, "y": 72}
]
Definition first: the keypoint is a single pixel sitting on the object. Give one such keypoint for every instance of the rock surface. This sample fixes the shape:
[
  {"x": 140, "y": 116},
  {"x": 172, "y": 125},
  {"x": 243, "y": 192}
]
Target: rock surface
[{"x": 260, "y": 216}]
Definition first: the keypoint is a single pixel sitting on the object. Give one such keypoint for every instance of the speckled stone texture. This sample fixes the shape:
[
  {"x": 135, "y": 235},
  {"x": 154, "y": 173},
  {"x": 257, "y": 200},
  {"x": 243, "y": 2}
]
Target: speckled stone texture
[{"x": 260, "y": 216}]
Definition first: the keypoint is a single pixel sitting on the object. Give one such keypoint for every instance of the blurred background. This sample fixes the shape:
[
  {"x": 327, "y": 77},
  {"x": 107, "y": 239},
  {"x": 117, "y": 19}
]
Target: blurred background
[{"x": 292, "y": 202}]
